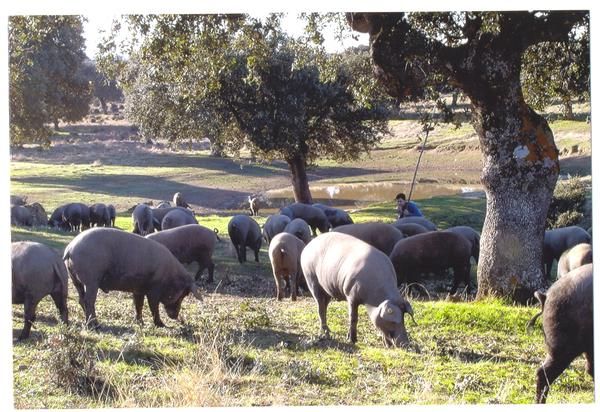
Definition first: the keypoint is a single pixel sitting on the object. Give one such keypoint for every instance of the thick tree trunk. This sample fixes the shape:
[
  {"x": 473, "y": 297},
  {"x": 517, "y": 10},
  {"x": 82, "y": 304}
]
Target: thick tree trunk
[
  {"x": 520, "y": 168},
  {"x": 299, "y": 180},
  {"x": 568, "y": 109}
]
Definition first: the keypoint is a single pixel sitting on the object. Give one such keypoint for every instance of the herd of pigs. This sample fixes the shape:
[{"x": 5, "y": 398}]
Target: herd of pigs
[{"x": 361, "y": 263}]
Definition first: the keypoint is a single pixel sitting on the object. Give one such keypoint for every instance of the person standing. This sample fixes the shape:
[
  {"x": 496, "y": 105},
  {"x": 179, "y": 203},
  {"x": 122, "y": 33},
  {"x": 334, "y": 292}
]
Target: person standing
[{"x": 405, "y": 208}]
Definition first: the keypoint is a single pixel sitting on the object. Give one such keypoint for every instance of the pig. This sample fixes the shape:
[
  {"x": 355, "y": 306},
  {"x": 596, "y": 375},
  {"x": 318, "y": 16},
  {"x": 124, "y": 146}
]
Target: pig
[
  {"x": 471, "y": 235},
  {"x": 578, "y": 255},
  {"x": 18, "y": 200},
  {"x": 410, "y": 229},
  {"x": 112, "y": 214},
  {"x": 254, "y": 205},
  {"x": 20, "y": 216},
  {"x": 99, "y": 215},
  {"x": 315, "y": 217},
  {"x": 379, "y": 235},
  {"x": 38, "y": 214},
  {"x": 163, "y": 204},
  {"x": 37, "y": 271},
  {"x": 72, "y": 217},
  {"x": 177, "y": 217},
  {"x": 418, "y": 220},
  {"x": 190, "y": 243},
  {"x": 275, "y": 224},
  {"x": 158, "y": 214},
  {"x": 55, "y": 219},
  {"x": 142, "y": 220},
  {"x": 244, "y": 232},
  {"x": 341, "y": 267},
  {"x": 337, "y": 217},
  {"x": 568, "y": 325},
  {"x": 111, "y": 259},
  {"x": 285, "y": 250},
  {"x": 433, "y": 252},
  {"x": 299, "y": 228},
  {"x": 556, "y": 241},
  {"x": 178, "y": 200}
]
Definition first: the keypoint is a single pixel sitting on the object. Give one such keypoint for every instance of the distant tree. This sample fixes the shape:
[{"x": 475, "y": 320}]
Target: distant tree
[
  {"x": 241, "y": 81},
  {"x": 558, "y": 70},
  {"x": 46, "y": 85},
  {"x": 481, "y": 54},
  {"x": 104, "y": 89}
]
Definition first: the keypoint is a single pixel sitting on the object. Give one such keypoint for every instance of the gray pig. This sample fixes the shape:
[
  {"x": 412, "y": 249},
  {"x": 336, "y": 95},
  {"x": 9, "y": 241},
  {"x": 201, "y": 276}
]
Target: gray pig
[
  {"x": 337, "y": 217},
  {"x": 299, "y": 228},
  {"x": 433, "y": 252},
  {"x": 20, "y": 216},
  {"x": 190, "y": 243},
  {"x": 178, "y": 200},
  {"x": 410, "y": 229},
  {"x": 379, "y": 235},
  {"x": 177, "y": 217},
  {"x": 112, "y": 214},
  {"x": 471, "y": 235},
  {"x": 275, "y": 224},
  {"x": 418, "y": 220},
  {"x": 37, "y": 271},
  {"x": 341, "y": 267},
  {"x": 244, "y": 232},
  {"x": 578, "y": 255},
  {"x": 72, "y": 217},
  {"x": 111, "y": 259},
  {"x": 38, "y": 214},
  {"x": 99, "y": 215},
  {"x": 314, "y": 216},
  {"x": 284, "y": 252},
  {"x": 142, "y": 220},
  {"x": 568, "y": 324},
  {"x": 158, "y": 214},
  {"x": 556, "y": 241}
]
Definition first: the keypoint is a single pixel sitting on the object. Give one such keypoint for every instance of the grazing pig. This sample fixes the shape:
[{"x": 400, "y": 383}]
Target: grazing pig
[
  {"x": 112, "y": 214},
  {"x": 178, "y": 200},
  {"x": 337, "y": 217},
  {"x": 556, "y": 241},
  {"x": 38, "y": 214},
  {"x": 20, "y": 216},
  {"x": 433, "y": 252},
  {"x": 299, "y": 228},
  {"x": 284, "y": 252},
  {"x": 379, "y": 235},
  {"x": 190, "y": 243},
  {"x": 578, "y": 255},
  {"x": 339, "y": 266},
  {"x": 177, "y": 217},
  {"x": 275, "y": 224},
  {"x": 158, "y": 214},
  {"x": 110, "y": 259},
  {"x": 568, "y": 324},
  {"x": 244, "y": 232},
  {"x": 163, "y": 204},
  {"x": 56, "y": 218},
  {"x": 410, "y": 229},
  {"x": 18, "y": 200},
  {"x": 471, "y": 235},
  {"x": 37, "y": 271},
  {"x": 314, "y": 216},
  {"x": 418, "y": 220},
  {"x": 72, "y": 217},
  {"x": 99, "y": 215},
  {"x": 142, "y": 220},
  {"x": 254, "y": 205}
]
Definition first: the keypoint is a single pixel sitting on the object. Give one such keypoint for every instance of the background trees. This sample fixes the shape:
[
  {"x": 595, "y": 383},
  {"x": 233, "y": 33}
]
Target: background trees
[
  {"x": 482, "y": 55},
  {"x": 244, "y": 84},
  {"x": 46, "y": 83}
]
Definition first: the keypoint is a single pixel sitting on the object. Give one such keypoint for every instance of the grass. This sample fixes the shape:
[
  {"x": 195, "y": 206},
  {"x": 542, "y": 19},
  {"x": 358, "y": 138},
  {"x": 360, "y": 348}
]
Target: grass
[{"x": 240, "y": 347}]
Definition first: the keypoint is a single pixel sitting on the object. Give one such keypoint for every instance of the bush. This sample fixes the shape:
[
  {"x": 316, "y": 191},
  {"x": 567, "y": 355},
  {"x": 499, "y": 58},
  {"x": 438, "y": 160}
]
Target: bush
[{"x": 567, "y": 205}]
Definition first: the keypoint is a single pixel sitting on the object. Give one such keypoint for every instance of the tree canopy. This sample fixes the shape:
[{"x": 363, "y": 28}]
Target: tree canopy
[{"x": 46, "y": 83}]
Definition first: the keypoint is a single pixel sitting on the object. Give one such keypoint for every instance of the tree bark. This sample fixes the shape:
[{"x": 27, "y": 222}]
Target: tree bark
[
  {"x": 568, "y": 109},
  {"x": 297, "y": 166}
]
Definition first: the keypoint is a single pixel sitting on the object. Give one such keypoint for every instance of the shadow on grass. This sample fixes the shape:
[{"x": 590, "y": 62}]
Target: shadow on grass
[{"x": 268, "y": 338}]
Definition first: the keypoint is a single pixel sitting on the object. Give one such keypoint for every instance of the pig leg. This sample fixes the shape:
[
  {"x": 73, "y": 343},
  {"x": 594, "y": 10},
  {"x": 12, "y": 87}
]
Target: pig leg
[
  {"x": 323, "y": 300},
  {"x": 256, "y": 254},
  {"x": 353, "y": 312},
  {"x": 279, "y": 286},
  {"x": 548, "y": 372},
  {"x": 153, "y": 303},
  {"x": 211, "y": 271},
  {"x": 238, "y": 252},
  {"x": 80, "y": 291},
  {"x": 89, "y": 301},
  {"x": 60, "y": 300},
  {"x": 294, "y": 285},
  {"x": 243, "y": 252},
  {"x": 28, "y": 316},
  {"x": 589, "y": 366},
  {"x": 138, "y": 302}
]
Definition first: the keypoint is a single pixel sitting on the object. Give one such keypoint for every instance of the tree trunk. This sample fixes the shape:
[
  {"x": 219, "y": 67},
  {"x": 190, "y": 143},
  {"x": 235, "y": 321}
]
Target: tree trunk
[
  {"x": 568, "y": 109},
  {"x": 299, "y": 180},
  {"x": 55, "y": 121},
  {"x": 520, "y": 169},
  {"x": 103, "y": 105}
]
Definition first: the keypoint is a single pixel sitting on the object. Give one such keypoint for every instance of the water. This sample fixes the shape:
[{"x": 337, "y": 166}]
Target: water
[{"x": 350, "y": 195}]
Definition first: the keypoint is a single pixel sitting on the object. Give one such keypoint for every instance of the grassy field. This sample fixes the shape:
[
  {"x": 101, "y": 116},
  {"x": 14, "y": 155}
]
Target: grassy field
[{"x": 240, "y": 347}]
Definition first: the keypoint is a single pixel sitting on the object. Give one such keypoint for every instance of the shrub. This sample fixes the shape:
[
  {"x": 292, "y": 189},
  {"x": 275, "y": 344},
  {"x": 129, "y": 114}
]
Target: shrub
[{"x": 567, "y": 205}]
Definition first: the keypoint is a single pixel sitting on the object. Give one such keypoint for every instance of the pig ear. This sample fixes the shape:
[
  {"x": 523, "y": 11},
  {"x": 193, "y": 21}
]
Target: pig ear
[
  {"x": 196, "y": 292},
  {"x": 406, "y": 308},
  {"x": 389, "y": 312}
]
